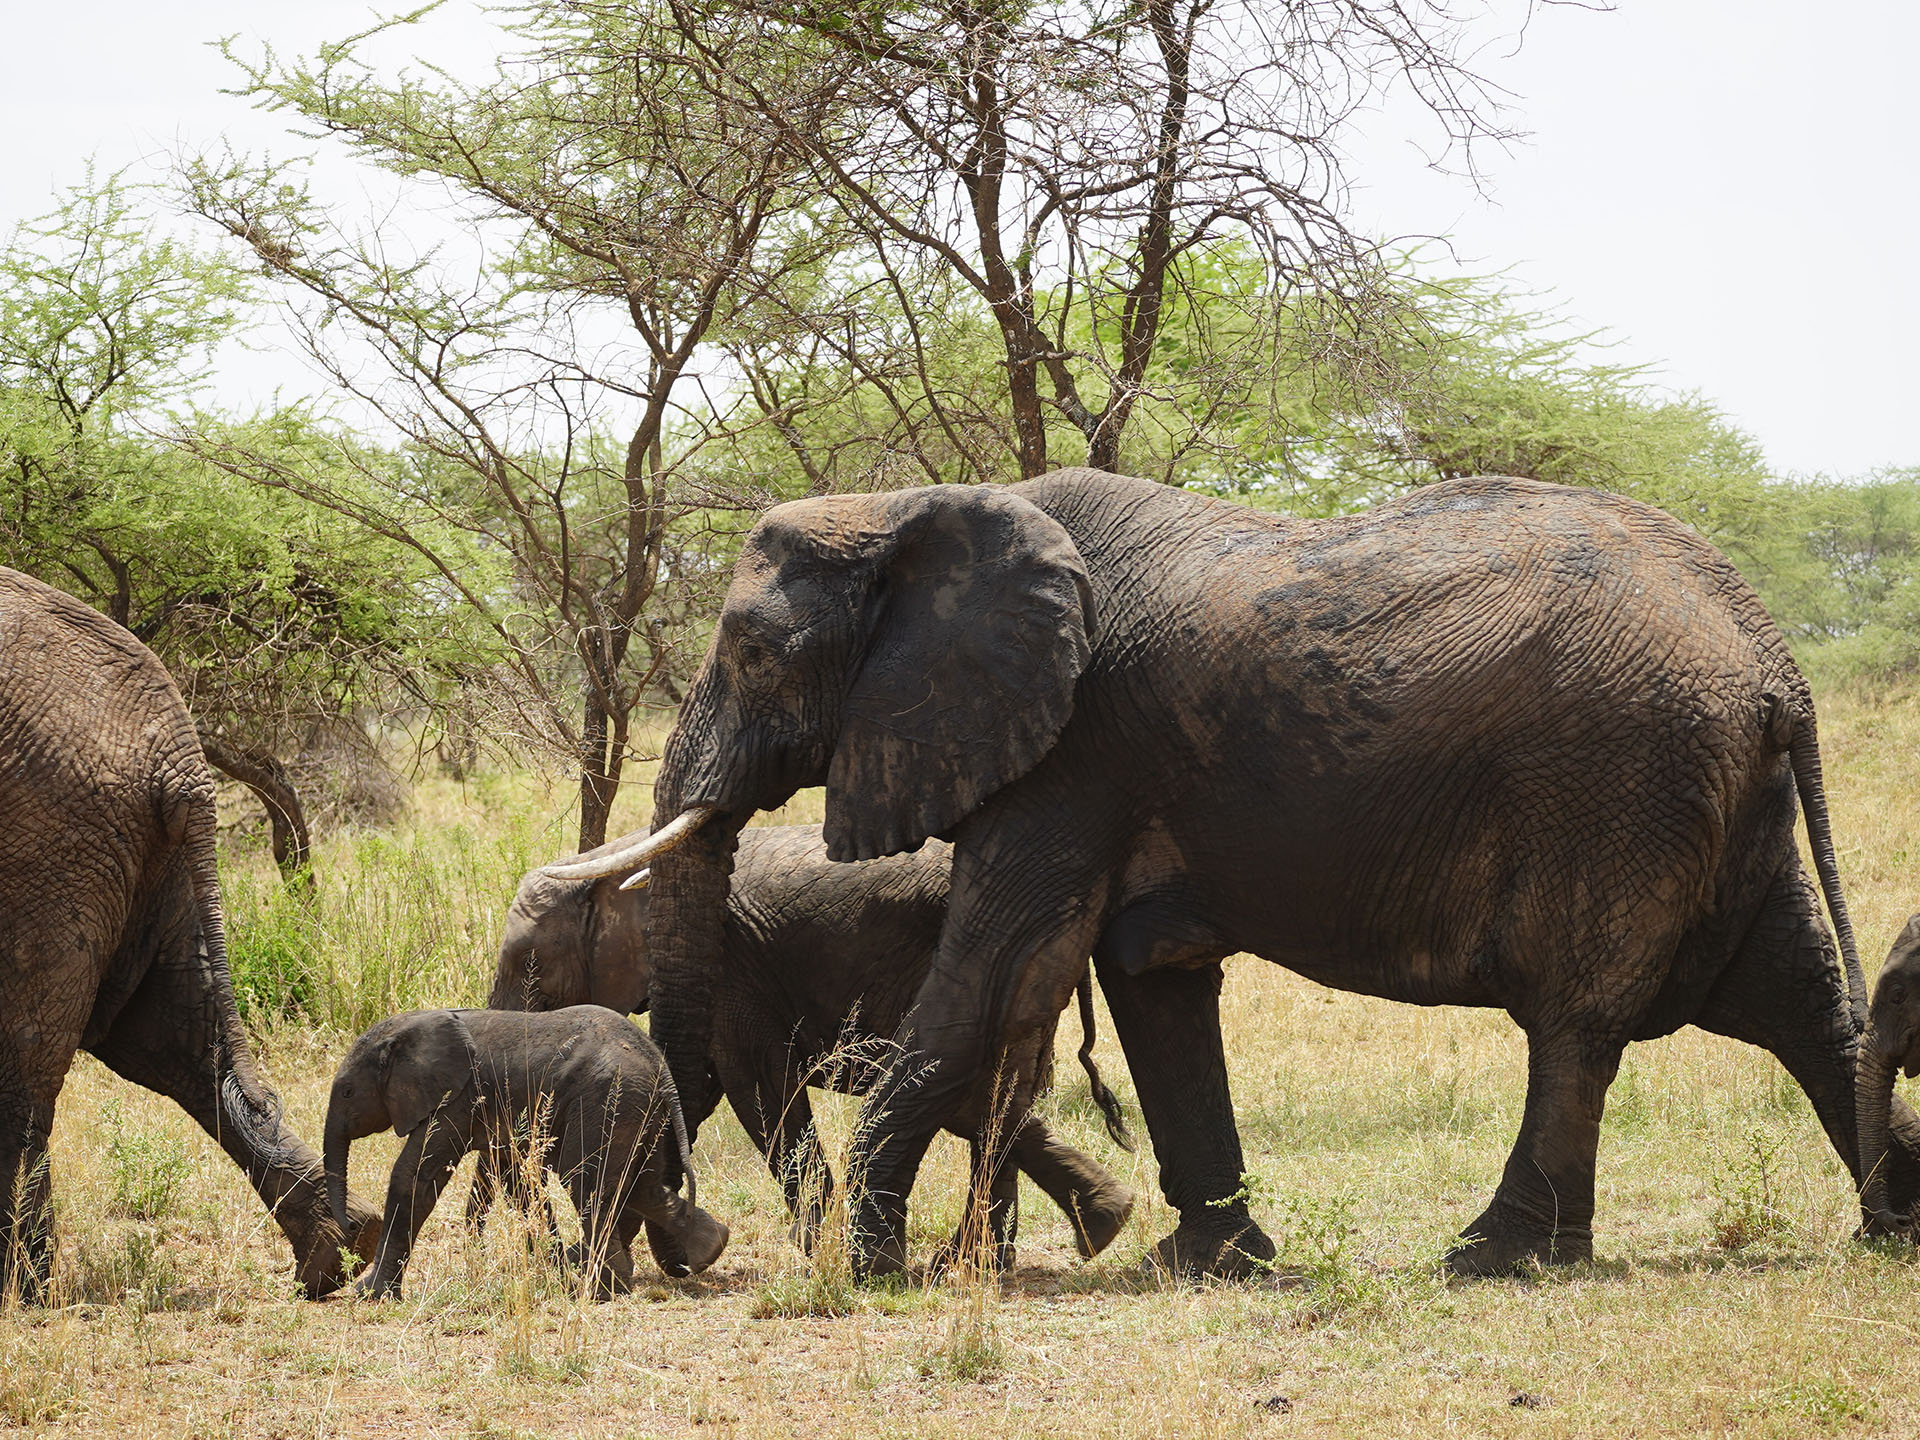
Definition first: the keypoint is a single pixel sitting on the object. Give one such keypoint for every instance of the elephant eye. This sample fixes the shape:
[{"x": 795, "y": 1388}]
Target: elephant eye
[{"x": 750, "y": 652}]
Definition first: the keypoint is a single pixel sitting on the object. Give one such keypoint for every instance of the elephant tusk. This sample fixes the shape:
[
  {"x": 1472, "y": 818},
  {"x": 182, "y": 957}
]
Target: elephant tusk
[
  {"x": 638, "y": 880},
  {"x": 643, "y": 848}
]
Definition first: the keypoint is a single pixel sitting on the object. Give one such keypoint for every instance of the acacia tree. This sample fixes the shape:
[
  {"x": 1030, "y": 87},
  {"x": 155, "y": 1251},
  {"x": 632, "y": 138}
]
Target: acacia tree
[
  {"x": 638, "y": 221},
  {"x": 1057, "y": 163},
  {"x": 270, "y": 614}
]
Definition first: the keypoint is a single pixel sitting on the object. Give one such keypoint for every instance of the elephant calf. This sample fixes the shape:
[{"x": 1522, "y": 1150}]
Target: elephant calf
[
  {"x": 821, "y": 963},
  {"x": 584, "y": 1080}
]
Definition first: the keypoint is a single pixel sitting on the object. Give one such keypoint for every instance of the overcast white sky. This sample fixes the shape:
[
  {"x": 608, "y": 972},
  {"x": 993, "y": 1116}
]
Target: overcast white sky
[{"x": 1729, "y": 186}]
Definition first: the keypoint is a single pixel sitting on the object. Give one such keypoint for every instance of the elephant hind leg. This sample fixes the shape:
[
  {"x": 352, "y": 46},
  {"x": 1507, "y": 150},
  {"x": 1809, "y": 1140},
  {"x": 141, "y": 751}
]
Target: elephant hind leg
[
  {"x": 1168, "y": 1023},
  {"x": 37, "y": 1043},
  {"x": 26, "y": 1202},
  {"x": 1543, "y": 1208}
]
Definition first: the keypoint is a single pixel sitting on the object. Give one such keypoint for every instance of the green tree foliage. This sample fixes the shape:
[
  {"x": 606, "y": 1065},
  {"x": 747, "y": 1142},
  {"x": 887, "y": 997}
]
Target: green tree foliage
[
  {"x": 1839, "y": 566},
  {"x": 628, "y": 224},
  {"x": 1045, "y": 171},
  {"x": 270, "y": 612}
]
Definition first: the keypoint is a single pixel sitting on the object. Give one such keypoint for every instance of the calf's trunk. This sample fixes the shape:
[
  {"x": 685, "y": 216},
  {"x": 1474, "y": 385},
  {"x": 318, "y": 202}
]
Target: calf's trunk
[{"x": 1873, "y": 1104}]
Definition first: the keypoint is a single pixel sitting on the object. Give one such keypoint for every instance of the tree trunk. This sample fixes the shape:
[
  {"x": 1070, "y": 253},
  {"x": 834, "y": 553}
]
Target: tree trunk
[
  {"x": 597, "y": 787},
  {"x": 267, "y": 778}
]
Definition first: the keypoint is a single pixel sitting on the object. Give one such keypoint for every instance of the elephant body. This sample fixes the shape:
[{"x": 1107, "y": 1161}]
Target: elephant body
[
  {"x": 582, "y": 1082},
  {"x": 1497, "y": 743},
  {"x": 112, "y": 936},
  {"x": 821, "y": 961}
]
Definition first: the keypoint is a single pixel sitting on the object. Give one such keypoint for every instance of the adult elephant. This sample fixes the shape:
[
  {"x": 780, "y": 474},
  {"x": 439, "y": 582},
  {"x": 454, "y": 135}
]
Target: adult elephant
[
  {"x": 1496, "y": 743},
  {"x": 112, "y": 938}
]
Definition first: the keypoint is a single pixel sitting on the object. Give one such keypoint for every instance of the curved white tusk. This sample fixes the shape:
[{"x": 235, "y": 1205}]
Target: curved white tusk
[
  {"x": 643, "y": 849},
  {"x": 637, "y": 881}
]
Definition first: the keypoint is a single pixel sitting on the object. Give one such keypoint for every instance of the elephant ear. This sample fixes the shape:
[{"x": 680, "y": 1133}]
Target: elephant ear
[
  {"x": 429, "y": 1063},
  {"x": 976, "y": 625}
]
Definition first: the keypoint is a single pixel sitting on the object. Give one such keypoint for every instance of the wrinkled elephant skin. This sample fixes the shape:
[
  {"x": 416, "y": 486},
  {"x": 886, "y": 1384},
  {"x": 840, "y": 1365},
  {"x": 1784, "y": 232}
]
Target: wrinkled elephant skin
[
  {"x": 820, "y": 963},
  {"x": 112, "y": 937},
  {"x": 1496, "y": 743}
]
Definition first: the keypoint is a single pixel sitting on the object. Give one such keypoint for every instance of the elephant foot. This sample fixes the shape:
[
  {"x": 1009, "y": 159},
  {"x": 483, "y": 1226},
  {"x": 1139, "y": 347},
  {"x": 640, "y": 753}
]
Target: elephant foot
[
  {"x": 877, "y": 1240},
  {"x": 321, "y": 1267},
  {"x": 1500, "y": 1243},
  {"x": 1099, "y": 1216},
  {"x": 1220, "y": 1245}
]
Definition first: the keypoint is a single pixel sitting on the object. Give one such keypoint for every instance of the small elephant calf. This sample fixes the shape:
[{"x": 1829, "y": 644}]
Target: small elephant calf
[{"x": 584, "y": 1078}]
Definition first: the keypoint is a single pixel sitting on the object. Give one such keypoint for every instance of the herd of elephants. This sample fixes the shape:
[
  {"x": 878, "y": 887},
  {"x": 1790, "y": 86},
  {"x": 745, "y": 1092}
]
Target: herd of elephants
[{"x": 1495, "y": 743}]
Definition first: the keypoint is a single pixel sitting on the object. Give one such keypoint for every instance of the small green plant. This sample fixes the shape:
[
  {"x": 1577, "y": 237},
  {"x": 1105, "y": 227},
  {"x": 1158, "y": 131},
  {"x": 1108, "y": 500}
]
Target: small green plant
[
  {"x": 820, "y": 1284},
  {"x": 147, "y": 1169},
  {"x": 971, "y": 1351},
  {"x": 1314, "y": 1250},
  {"x": 1827, "y": 1402},
  {"x": 1746, "y": 1207}
]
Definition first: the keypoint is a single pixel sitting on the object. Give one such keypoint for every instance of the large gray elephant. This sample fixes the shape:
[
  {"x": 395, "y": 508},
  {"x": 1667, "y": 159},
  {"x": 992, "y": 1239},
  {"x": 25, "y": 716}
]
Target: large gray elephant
[
  {"x": 820, "y": 963},
  {"x": 1495, "y": 743},
  {"x": 112, "y": 938}
]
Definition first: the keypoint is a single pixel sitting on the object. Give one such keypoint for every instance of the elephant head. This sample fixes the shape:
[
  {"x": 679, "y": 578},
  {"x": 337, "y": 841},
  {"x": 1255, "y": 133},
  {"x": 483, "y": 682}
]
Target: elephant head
[
  {"x": 574, "y": 942},
  {"x": 914, "y": 652},
  {"x": 1891, "y": 1042},
  {"x": 403, "y": 1070}
]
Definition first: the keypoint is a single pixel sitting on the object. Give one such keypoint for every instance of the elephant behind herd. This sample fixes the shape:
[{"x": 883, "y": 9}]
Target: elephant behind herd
[{"x": 1497, "y": 743}]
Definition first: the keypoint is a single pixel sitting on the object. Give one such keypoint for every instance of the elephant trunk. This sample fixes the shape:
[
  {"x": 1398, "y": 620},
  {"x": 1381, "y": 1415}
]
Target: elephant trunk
[
  {"x": 686, "y": 938},
  {"x": 337, "y": 1143},
  {"x": 1873, "y": 1103}
]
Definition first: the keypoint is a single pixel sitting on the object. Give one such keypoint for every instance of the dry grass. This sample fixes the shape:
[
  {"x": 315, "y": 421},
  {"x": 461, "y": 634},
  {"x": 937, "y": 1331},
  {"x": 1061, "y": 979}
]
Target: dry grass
[{"x": 1727, "y": 1299}]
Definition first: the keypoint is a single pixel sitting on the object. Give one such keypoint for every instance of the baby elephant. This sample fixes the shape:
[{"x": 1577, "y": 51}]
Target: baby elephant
[{"x": 583, "y": 1078}]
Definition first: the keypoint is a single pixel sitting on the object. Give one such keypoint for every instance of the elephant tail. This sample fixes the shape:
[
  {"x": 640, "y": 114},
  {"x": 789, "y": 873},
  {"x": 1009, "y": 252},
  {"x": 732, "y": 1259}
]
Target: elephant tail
[
  {"x": 247, "y": 1102},
  {"x": 1804, "y": 751},
  {"x": 1108, "y": 1102}
]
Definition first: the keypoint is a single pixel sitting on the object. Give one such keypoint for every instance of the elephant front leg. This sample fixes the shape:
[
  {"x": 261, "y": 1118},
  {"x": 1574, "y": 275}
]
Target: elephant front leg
[
  {"x": 777, "y": 1115},
  {"x": 1543, "y": 1210},
  {"x": 989, "y": 1226},
  {"x": 425, "y": 1165},
  {"x": 1168, "y": 1024}
]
